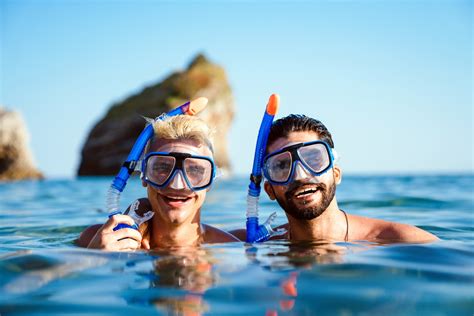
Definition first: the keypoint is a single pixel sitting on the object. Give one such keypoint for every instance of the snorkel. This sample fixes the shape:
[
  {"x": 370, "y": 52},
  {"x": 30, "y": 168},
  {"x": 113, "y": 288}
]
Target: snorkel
[
  {"x": 120, "y": 181},
  {"x": 256, "y": 233}
]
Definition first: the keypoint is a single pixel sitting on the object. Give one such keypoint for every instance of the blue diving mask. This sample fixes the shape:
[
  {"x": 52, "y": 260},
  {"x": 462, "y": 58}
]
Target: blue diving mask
[
  {"x": 316, "y": 157},
  {"x": 159, "y": 168}
]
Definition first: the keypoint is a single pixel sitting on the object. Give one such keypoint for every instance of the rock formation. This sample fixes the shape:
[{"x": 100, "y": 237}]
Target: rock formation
[
  {"x": 112, "y": 138},
  {"x": 16, "y": 160}
]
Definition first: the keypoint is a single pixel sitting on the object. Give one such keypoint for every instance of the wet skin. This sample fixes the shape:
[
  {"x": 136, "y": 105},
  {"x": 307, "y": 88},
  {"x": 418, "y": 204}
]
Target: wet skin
[
  {"x": 312, "y": 210},
  {"x": 306, "y": 196},
  {"x": 177, "y": 209},
  {"x": 177, "y": 203}
]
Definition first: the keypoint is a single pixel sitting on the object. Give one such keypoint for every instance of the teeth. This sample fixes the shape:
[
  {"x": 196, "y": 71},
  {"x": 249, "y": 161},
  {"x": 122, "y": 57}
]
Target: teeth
[
  {"x": 306, "y": 191},
  {"x": 177, "y": 197}
]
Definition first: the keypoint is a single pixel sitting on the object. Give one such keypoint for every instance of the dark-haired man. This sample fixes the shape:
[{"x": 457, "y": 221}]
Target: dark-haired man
[{"x": 301, "y": 175}]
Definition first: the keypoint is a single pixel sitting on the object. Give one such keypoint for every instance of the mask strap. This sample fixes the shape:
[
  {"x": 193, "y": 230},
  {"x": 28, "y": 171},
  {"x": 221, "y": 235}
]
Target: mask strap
[{"x": 335, "y": 156}]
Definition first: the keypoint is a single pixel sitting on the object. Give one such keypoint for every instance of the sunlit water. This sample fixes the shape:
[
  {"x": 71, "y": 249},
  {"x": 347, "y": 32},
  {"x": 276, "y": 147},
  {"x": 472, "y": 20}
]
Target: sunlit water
[{"x": 42, "y": 272}]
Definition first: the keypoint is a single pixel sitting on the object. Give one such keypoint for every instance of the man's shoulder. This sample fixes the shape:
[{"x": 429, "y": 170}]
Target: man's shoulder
[
  {"x": 215, "y": 235},
  {"x": 372, "y": 229}
]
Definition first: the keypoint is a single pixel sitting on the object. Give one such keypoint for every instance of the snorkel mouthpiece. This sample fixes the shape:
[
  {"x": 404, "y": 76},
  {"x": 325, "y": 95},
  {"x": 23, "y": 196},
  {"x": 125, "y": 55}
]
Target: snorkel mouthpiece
[
  {"x": 254, "y": 233},
  {"x": 120, "y": 181}
]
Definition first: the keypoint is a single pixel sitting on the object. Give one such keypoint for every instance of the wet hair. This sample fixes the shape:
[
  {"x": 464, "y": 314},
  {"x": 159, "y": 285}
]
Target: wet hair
[
  {"x": 183, "y": 127},
  {"x": 298, "y": 123}
]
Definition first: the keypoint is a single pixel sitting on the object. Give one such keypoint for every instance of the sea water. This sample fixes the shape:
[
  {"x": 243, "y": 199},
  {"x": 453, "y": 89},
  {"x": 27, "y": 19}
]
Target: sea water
[{"x": 42, "y": 272}]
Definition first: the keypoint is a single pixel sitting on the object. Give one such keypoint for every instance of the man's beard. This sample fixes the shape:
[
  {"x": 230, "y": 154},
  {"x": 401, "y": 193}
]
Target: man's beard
[{"x": 310, "y": 212}]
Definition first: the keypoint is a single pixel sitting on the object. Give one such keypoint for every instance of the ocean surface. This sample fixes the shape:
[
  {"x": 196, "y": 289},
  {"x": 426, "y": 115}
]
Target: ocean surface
[{"x": 43, "y": 273}]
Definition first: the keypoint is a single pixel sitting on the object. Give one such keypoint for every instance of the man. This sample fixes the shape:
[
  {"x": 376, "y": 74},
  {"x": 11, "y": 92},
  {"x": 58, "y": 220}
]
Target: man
[
  {"x": 177, "y": 171},
  {"x": 302, "y": 177}
]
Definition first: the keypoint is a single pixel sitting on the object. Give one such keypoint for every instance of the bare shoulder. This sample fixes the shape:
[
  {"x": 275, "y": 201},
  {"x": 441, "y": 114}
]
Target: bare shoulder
[
  {"x": 87, "y": 235},
  {"x": 371, "y": 229},
  {"x": 241, "y": 233},
  {"x": 216, "y": 235}
]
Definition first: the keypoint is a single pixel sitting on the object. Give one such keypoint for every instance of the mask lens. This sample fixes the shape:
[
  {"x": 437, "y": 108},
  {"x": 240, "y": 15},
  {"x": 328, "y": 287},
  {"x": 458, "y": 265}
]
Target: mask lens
[
  {"x": 279, "y": 167},
  {"x": 315, "y": 156},
  {"x": 198, "y": 171},
  {"x": 159, "y": 168}
]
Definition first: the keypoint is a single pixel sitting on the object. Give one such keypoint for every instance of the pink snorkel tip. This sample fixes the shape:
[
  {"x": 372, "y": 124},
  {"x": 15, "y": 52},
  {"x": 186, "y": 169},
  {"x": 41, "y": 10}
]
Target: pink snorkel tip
[{"x": 196, "y": 106}]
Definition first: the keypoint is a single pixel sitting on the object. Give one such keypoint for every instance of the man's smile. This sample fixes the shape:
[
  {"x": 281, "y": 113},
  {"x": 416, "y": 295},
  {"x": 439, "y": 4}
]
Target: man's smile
[
  {"x": 175, "y": 200},
  {"x": 305, "y": 192}
]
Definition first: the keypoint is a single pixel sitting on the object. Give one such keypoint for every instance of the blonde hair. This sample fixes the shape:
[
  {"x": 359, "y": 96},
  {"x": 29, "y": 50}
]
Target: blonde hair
[{"x": 183, "y": 127}]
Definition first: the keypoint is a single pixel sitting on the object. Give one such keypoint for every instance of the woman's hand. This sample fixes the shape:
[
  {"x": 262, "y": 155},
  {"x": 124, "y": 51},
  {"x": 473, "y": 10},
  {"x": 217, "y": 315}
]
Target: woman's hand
[{"x": 124, "y": 239}]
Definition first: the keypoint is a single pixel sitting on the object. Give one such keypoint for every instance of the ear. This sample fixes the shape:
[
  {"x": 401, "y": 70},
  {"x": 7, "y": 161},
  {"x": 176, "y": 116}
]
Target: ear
[
  {"x": 144, "y": 184},
  {"x": 337, "y": 174},
  {"x": 268, "y": 188}
]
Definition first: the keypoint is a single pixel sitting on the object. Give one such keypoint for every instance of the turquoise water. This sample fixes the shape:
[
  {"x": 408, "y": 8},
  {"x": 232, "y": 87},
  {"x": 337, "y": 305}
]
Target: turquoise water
[{"x": 42, "y": 272}]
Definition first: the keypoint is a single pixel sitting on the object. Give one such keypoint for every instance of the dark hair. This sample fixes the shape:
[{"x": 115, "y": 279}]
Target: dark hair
[{"x": 298, "y": 123}]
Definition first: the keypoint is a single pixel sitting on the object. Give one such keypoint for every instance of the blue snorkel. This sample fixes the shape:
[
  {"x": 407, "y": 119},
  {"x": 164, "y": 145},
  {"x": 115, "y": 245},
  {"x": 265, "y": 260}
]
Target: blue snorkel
[
  {"x": 120, "y": 181},
  {"x": 256, "y": 233}
]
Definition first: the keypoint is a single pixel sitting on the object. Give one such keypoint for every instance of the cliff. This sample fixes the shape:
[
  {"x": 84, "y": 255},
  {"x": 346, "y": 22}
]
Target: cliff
[
  {"x": 112, "y": 138},
  {"x": 16, "y": 159}
]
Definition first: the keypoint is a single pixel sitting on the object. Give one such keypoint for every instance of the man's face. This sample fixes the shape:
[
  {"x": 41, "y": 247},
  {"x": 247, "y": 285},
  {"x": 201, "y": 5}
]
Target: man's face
[
  {"x": 177, "y": 203},
  {"x": 306, "y": 196}
]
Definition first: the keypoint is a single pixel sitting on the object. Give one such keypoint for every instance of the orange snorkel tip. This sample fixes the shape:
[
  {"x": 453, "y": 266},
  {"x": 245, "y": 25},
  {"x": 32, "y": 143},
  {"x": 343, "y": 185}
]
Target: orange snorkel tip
[
  {"x": 196, "y": 106},
  {"x": 273, "y": 103}
]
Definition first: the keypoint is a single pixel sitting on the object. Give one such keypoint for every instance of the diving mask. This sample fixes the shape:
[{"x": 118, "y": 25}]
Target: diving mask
[
  {"x": 316, "y": 157},
  {"x": 159, "y": 168}
]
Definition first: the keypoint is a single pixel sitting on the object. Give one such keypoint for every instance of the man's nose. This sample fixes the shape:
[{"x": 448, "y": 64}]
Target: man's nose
[
  {"x": 300, "y": 172},
  {"x": 177, "y": 182}
]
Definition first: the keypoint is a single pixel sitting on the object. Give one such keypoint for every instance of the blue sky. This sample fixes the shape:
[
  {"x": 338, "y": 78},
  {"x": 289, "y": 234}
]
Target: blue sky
[{"x": 392, "y": 80}]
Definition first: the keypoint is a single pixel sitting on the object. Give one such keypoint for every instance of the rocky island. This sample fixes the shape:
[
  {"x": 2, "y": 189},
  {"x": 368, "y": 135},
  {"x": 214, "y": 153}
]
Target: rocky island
[
  {"x": 112, "y": 138},
  {"x": 16, "y": 159}
]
